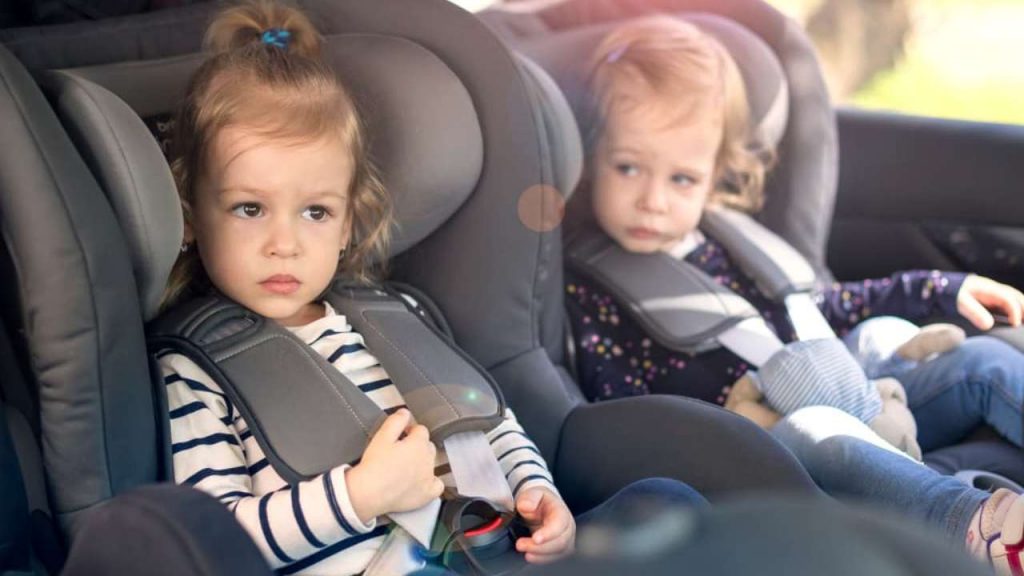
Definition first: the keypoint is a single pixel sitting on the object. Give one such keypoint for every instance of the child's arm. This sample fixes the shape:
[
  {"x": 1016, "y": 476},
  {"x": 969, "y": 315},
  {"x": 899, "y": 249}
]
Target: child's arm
[
  {"x": 209, "y": 450},
  {"x": 518, "y": 456},
  {"x": 553, "y": 529},
  {"x": 914, "y": 295}
]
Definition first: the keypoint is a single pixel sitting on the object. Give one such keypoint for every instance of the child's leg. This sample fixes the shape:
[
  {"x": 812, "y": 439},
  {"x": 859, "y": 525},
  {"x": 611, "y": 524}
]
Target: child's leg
[
  {"x": 981, "y": 381},
  {"x": 636, "y": 501},
  {"x": 850, "y": 461}
]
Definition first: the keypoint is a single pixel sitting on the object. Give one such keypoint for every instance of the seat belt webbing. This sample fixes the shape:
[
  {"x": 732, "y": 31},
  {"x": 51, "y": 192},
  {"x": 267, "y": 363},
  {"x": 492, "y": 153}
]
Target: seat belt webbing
[{"x": 807, "y": 319}]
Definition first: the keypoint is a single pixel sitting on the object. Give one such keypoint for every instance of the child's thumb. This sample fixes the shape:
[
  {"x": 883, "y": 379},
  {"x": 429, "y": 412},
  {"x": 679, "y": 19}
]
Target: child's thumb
[{"x": 528, "y": 502}]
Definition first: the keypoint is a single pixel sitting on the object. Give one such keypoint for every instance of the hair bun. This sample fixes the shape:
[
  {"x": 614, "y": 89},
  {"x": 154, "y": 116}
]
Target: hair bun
[{"x": 265, "y": 23}]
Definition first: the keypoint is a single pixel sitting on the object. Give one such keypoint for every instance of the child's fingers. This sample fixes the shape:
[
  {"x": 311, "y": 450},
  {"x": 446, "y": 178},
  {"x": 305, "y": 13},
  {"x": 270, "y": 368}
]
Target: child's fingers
[
  {"x": 555, "y": 525},
  {"x": 550, "y": 550},
  {"x": 417, "y": 432},
  {"x": 529, "y": 503},
  {"x": 1014, "y": 306},
  {"x": 973, "y": 311},
  {"x": 1019, "y": 297},
  {"x": 394, "y": 426}
]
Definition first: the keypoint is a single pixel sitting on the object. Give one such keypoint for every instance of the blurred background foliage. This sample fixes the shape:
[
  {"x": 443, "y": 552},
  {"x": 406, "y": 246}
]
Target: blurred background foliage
[{"x": 947, "y": 58}]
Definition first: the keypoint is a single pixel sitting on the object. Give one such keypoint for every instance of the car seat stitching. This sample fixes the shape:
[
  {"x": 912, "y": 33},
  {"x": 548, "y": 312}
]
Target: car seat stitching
[{"x": 387, "y": 340}]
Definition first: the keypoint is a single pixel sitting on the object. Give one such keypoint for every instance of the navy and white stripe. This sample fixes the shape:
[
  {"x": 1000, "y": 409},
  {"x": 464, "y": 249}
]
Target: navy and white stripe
[{"x": 311, "y": 527}]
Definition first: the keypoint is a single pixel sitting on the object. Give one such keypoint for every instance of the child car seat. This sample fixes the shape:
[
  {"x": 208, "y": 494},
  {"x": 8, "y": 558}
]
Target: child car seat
[
  {"x": 784, "y": 82},
  {"x": 90, "y": 226}
]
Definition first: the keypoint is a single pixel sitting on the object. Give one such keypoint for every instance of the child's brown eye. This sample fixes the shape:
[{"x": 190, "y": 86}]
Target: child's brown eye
[
  {"x": 247, "y": 210},
  {"x": 316, "y": 213}
]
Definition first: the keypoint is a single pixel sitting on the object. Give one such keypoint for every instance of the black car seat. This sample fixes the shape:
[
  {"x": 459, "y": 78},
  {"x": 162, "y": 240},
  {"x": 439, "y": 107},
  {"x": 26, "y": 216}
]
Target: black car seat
[
  {"x": 459, "y": 130},
  {"x": 785, "y": 85}
]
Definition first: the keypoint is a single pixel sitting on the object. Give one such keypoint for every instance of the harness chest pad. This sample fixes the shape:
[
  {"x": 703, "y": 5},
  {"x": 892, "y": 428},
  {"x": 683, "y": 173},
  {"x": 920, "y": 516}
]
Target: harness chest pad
[
  {"x": 306, "y": 416},
  {"x": 681, "y": 307},
  {"x": 442, "y": 386}
]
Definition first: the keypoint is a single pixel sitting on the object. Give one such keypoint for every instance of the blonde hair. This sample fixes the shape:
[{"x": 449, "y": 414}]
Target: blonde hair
[
  {"x": 280, "y": 91},
  {"x": 685, "y": 67}
]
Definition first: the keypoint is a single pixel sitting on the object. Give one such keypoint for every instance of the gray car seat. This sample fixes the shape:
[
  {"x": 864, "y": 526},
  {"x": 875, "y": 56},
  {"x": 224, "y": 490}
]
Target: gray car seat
[
  {"x": 459, "y": 130},
  {"x": 789, "y": 102}
]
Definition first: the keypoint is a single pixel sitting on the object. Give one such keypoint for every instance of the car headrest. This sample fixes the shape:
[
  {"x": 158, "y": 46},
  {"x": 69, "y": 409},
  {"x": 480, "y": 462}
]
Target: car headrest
[
  {"x": 558, "y": 123},
  {"x": 566, "y": 54},
  {"x": 422, "y": 125}
]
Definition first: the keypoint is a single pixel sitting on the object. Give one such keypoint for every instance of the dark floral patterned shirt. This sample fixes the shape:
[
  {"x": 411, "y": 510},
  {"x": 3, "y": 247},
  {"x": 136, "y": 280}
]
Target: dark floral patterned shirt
[{"x": 615, "y": 358}]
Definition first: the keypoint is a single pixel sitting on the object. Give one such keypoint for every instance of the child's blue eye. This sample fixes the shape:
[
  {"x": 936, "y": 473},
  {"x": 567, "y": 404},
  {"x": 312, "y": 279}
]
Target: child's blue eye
[
  {"x": 316, "y": 213},
  {"x": 247, "y": 210},
  {"x": 626, "y": 169},
  {"x": 683, "y": 180}
]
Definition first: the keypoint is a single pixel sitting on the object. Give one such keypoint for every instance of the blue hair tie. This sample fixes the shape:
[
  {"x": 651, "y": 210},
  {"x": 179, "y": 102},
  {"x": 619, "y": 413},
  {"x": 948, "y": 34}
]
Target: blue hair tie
[{"x": 277, "y": 37}]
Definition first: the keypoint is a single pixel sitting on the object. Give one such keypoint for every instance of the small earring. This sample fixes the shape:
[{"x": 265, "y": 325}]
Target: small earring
[{"x": 184, "y": 246}]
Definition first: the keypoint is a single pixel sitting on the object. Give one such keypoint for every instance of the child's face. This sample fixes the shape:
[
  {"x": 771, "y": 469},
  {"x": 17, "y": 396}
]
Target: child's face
[
  {"x": 652, "y": 171},
  {"x": 270, "y": 221}
]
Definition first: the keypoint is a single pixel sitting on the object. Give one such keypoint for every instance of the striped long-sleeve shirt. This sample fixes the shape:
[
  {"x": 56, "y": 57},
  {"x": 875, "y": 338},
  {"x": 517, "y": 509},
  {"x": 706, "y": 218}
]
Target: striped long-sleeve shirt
[{"x": 311, "y": 527}]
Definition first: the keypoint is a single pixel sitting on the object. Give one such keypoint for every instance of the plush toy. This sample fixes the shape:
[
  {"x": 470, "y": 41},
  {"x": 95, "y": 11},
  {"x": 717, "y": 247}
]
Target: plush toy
[
  {"x": 824, "y": 372},
  {"x": 891, "y": 346}
]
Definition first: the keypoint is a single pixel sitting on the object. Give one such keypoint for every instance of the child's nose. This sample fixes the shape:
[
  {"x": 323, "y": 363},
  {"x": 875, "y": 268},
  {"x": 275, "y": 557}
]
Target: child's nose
[
  {"x": 653, "y": 198},
  {"x": 283, "y": 241}
]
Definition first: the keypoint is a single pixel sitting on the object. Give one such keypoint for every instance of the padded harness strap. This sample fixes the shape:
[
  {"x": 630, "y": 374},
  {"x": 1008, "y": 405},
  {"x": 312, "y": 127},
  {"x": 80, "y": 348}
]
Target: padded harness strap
[
  {"x": 681, "y": 307},
  {"x": 779, "y": 271},
  {"x": 288, "y": 394}
]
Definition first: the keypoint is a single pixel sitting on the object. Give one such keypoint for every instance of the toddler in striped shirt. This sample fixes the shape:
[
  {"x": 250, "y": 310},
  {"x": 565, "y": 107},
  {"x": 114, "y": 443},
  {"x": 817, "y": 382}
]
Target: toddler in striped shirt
[{"x": 278, "y": 196}]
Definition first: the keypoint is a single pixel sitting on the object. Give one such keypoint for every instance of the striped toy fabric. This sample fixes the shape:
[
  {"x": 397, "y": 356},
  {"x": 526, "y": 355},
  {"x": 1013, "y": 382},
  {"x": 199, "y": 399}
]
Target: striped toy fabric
[{"x": 818, "y": 373}]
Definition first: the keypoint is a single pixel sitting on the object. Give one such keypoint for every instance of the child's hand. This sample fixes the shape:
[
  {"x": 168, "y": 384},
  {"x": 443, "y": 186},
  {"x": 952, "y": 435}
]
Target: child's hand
[
  {"x": 396, "y": 473},
  {"x": 979, "y": 294},
  {"x": 553, "y": 527}
]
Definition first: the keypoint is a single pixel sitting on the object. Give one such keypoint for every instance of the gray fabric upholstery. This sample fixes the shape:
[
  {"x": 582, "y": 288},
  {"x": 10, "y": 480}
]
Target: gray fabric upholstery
[
  {"x": 763, "y": 78},
  {"x": 79, "y": 306},
  {"x": 131, "y": 169},
  {"x": 562, "y": 135}
]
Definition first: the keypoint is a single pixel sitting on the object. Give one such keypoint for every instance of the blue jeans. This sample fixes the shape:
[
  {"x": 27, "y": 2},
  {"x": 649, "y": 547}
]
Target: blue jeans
[
  {"x": 979, "y": 382},
  {"x": 633, "y": 502},
  {"x": 849, "y": 461}
]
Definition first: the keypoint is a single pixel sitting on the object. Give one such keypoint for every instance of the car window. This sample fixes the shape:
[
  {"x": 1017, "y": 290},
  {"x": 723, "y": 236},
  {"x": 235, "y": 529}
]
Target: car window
[{"x": 944, "y": 58}]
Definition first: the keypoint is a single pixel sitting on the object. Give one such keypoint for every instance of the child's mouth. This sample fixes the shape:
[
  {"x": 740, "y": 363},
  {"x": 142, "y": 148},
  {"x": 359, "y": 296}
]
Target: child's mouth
[
  {"x": 281, "y": 284},
  {"x": 642, "y": 233}
]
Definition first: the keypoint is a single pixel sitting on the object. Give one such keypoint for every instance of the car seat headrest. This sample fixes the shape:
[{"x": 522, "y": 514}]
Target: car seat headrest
[
  {"x": 763, "y": 77},
  {"x": 565, "y": 56},
  {"x": 422, "y": 128},
  {"x": 558, "y": 124}
]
